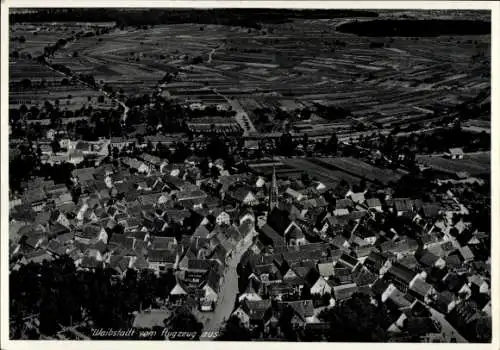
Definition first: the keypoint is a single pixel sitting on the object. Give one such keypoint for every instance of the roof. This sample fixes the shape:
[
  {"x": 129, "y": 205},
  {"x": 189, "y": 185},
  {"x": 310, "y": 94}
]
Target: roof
[
  {"x": 272, "y": 235},
  {"x": 326, "y": 269},
  {"x": 213, "y": 280},
  {"x": 373, "y": 202},
  {"x": 344, "y": 291},
  {"x": 304, "y": 308},
  {"x": 90, "y": 263},
  {"x": 162, "y": 256},
  {"x": 256, "y": 309},
  {"x": 402, "y": 273},
  {"x": 428, "y": 259},
  {"x": 420, "y": 287},
  {"x": 344, "y": 203},
  {"x": 466, "y": 253},
  {"x": 456, "y": 151},
  {"x": 362, "y": 276},
  {"x": 403, "y": 204}
]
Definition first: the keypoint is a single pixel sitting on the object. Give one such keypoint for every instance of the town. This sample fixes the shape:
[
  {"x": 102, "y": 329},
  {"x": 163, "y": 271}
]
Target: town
[{"x": 252, "y": 190}]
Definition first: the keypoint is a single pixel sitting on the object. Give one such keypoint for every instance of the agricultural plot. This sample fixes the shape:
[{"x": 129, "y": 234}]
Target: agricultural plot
[
  {"x": 357, "y": 168},
  {"x": 475, "y": 164}
]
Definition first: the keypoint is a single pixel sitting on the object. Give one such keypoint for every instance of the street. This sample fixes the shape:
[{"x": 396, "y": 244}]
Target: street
[
  {"x": 227, "y": 293},
  {"x": 448, "y": 330}
]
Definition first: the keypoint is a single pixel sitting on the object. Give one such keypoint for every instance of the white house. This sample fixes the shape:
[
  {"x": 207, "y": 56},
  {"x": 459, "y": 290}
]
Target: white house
[{"x": 321, "y": 287}]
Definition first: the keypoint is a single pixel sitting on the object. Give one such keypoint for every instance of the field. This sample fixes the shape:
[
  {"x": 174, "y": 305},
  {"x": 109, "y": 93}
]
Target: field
[
  {"x": 381, "y": 81},
  {"x": 476, "y": 164},
  {"x": 330, "y": 171}
]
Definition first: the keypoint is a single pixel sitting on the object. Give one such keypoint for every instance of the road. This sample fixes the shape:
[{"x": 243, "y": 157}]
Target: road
[
  {"x": 448, "y": 330},
  {"x": 241, "y": 116},
  {"x": 125, "y": 108},
  {"x": 227, "y": 293}
]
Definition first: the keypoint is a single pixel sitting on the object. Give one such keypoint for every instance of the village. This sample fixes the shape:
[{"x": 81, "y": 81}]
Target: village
[
  {"x": 245, "y": 245},
  {"x": 290, "y": 180}
]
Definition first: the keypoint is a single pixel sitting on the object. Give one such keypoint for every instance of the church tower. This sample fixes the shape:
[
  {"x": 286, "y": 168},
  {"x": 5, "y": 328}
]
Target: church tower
[{"x": 273, "y": 192}]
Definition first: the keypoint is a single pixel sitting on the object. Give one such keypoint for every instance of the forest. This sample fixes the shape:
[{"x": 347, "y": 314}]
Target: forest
[
  {"x": 416, "y": 28},
  {"x": 252, "y": 18}
]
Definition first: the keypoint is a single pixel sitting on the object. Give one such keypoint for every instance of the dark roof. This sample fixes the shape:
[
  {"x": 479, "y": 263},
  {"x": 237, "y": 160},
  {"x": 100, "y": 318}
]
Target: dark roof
[
  {"x": 256, "y": 309},
  {"x": 428, "y": 259},
  {"x": 271, "y": 235},
  {"x": 163, "y": 256},
  {"x": 401, "y": 272},
  {"x": 90, "y": 263},
  {"x": 345, "y": 291},
  {"x": 279, "y": 220}
]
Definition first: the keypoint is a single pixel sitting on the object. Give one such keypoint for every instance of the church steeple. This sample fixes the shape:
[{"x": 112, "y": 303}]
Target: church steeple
[{"x": 273, "y": 192}]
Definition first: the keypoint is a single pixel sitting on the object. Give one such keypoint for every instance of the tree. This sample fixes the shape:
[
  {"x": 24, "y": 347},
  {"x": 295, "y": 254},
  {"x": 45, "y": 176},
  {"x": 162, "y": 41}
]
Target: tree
[
  {"x": 56, "y": 147},
  {"x": 286, "y": 145},
  {"x": 357, "y": 320},
  {"x": 234, "y": 330},
  {"x": 25, "y": 83},
  {"x": 183, "y": 321},
  {"x": 332, "y": 144}
]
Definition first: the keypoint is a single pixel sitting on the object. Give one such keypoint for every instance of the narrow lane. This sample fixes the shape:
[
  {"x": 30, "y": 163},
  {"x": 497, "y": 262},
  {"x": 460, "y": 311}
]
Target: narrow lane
[{"x": 227, "y": 293}]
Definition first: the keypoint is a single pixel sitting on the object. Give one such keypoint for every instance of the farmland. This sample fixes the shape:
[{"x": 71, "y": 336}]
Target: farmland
[
  {"x": 330, "y": 171},
  {"x": 475, "y": 164},
  {"x": 284, "y": 67}
]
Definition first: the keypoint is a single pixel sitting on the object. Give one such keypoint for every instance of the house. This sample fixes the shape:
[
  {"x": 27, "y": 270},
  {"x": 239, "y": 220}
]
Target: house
[
  {"x": 401, "y": 206},
  {"x": 374, "y": 203},
  {"x": 362, "y": 276},
  {"x": 465, "y": 254},
  {"x": 90, "y": 233},
  {"x": 395, "y": 299},
  {"x": 456, "y": 153},
  {"x": 302, "y": 311},
  {"x": 295, "y": 195},
  {"x": 221, "y": 217},
  {"x": 253, "y": 313},
  {"x": 251, "y": 291},
  {"x": 318, "y": 284},
  {"x": 343, "y": 292},
  {"x": 377, "y": 263},
  {"x": 210, "y": 289},
  {"x": 326, "y": 270},
  {"x": 477, "y": 284},
  {"x": 444, "y": 302},
  {"x": 400, "y": 276},
  {"x": 180, "y": 291},
  {"x": 422, "y": 290},
  {"x": 269, "y": 236},
  {"x": 161, "y": 260},
  {"x": 343, "y": 206},
  {"x": 280, "y": 221},
  {"x": 356, "y": 197},
  {"x": 244, "y": 196},
  {"x": 429, "y": 260}
]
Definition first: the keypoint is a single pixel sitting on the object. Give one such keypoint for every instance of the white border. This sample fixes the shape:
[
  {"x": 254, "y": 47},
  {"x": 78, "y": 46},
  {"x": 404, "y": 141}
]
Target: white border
[{"x": 4, "y": 204}]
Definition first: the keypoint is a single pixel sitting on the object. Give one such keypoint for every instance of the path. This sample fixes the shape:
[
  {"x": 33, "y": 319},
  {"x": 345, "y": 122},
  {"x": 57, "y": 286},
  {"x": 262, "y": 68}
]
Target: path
[
  {"x": 227, "y": 293},
  {"x": 213, "y": 52},
  {"x": 447, "y": 329}
]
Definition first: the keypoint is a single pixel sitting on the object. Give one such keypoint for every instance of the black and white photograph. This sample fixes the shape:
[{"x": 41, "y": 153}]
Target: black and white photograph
[{"x": 248, "y": 174}]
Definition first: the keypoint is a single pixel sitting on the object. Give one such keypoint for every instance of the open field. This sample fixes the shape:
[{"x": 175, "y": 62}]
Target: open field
[
  {"x": 476, "y": 164},
  {"x": 358, "y": 168},
  {"x": 330, "y": 171}
]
